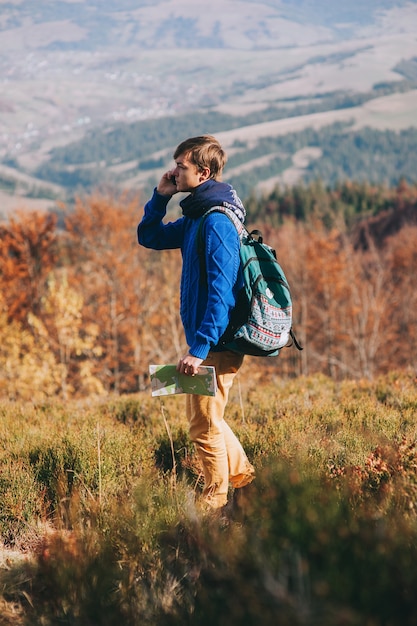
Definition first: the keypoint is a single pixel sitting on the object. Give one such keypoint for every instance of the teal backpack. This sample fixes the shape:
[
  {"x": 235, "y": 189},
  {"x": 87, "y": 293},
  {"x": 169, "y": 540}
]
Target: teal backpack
[{"x": 261, "y": 321}]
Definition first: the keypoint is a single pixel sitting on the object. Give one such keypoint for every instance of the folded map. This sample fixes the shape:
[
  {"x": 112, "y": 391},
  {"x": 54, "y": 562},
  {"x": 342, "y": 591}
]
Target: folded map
[{"x": 166, "y": 380}]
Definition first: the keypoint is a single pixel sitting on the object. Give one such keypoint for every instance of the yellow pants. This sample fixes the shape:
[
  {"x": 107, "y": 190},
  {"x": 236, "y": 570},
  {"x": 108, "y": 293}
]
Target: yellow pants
[{"x": 221, "y": 454}]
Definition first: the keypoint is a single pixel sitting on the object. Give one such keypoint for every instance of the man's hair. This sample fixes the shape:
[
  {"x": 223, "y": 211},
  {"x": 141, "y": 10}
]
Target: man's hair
[{"x": 204, "y": 151}]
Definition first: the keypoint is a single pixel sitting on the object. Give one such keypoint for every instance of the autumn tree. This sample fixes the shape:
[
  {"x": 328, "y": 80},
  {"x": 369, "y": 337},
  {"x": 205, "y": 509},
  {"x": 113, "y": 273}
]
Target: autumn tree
[
  {"x": 28, "y": 368},
  {"x": 401, "y": 305},
  {"x": 368, "y": 275},
  {"x": 28, "y": 253},
  {"x": 340, "y": 298},
  {"x": 85, "y": 309},
  {"x": 73, "y": 341},
  {"x": 130, "y": 293}
]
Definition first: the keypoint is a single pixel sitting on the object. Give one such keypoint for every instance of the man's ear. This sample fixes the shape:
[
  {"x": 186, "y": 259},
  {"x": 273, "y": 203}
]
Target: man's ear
[{"x": 204, "y": 174}]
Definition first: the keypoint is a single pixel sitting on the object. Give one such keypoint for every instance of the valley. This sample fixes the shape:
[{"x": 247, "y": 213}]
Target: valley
[{"x": 62, "y": 79}]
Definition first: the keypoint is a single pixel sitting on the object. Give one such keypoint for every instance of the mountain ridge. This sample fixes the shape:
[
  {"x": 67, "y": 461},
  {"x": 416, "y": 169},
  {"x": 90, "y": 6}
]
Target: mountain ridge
[
  {"x": 187, "y": 23},
  {"x": 75, "y": 66}
]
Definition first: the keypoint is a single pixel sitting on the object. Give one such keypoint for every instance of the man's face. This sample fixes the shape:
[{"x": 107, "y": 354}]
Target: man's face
[{"x": 187, "y": 175}]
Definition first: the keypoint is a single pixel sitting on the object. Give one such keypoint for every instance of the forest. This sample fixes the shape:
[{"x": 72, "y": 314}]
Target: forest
[
  {"x": 115, "y": 154},
  {"x": 363, "y": 155},
  {"x": 137, "y": 140},
  {"x": 366, "y": 155},
  {"x": 85, "y": 310}
]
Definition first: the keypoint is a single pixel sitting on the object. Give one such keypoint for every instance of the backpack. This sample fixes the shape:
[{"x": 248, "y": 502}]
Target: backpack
[{"x": 261, "y": 321}]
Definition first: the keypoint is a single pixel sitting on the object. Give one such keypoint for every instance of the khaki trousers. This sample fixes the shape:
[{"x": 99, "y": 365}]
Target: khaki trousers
[{"x": 221, "y": 454}]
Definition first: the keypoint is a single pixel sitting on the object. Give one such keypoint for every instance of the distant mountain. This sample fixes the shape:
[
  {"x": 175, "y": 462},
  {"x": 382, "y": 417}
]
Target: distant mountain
[
  {"x": 228, "y": 24},
  {"x": 71, "y": 70}
]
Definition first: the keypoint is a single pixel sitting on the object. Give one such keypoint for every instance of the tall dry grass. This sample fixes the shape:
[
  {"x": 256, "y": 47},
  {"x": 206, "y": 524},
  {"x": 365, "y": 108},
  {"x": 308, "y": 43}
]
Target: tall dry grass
[{"x": 99, "y": 500}]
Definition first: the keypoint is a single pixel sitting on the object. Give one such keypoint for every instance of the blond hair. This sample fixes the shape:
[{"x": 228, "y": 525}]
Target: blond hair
[{"x": 204, "y": 151}]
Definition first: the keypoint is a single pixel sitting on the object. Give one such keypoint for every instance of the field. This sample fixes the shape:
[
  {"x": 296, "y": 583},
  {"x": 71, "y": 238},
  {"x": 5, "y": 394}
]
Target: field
[{"x": 100, "y": 517}]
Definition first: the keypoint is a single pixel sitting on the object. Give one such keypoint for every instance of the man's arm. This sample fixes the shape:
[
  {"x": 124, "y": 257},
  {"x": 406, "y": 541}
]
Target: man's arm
[{"x": 152, "y": 232}]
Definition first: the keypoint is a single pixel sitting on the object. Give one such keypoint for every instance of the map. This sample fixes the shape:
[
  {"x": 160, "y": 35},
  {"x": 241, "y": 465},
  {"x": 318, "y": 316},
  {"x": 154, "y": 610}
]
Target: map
[{"x": 166, "y": 380}]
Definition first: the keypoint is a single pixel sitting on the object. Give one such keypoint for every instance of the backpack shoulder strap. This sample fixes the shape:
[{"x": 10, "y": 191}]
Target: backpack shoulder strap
[{"x": 241, "y": 231}]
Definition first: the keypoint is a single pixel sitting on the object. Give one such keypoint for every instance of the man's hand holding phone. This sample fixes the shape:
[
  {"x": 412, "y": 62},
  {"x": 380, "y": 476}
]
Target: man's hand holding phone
[{"x": 167, "y": 185}]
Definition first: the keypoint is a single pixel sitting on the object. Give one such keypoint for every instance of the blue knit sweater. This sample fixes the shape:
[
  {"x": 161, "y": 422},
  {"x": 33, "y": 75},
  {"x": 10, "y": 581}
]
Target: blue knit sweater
[{"x": 205, "y": 305}]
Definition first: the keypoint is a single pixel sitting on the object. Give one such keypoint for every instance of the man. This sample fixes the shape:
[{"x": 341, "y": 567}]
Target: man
[{"x": 205, "y": 304}]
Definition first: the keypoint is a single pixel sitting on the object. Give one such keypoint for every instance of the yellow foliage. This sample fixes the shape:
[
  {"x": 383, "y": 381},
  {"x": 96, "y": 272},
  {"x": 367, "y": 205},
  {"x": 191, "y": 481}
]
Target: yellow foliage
[
  {"x": 34, "y": 361},
  {"x": 28, "y": 369}
]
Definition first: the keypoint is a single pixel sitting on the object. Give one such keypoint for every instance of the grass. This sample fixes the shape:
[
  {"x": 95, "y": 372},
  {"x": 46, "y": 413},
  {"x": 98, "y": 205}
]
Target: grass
[{"x": 100, "y": 523}]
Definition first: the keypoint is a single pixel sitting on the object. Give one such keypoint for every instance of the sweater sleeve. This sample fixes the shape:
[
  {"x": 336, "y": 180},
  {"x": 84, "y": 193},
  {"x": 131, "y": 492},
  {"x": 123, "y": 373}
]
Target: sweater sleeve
[
  {"x": 222, "y": 262},
  {"x": 152, "y": 232}
]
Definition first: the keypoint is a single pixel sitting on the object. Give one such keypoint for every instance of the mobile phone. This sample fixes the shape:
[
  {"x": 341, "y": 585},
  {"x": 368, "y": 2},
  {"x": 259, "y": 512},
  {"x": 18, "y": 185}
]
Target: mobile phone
[{"x": 173, "y": 181}]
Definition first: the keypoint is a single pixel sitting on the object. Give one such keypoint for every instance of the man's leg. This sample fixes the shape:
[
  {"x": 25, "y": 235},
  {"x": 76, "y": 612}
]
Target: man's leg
[{"x": 220, "y": 452}]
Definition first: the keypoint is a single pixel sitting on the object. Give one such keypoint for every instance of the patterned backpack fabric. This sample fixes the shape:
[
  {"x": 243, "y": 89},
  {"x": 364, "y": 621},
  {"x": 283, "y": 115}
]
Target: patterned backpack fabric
[{"x": 261, "y": 322}]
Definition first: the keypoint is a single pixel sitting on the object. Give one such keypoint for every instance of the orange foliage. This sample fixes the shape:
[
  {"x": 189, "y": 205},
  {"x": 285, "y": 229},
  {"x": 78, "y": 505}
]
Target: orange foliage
[
  {"x": 354, "y": 308},
  {"x": 27, "y": 254},
  {"x": 128, "y": 291}
]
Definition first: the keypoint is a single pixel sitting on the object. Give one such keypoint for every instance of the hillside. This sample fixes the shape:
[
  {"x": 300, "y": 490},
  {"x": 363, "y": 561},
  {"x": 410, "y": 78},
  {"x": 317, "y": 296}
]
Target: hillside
[{"x": 76, "y": 69}]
